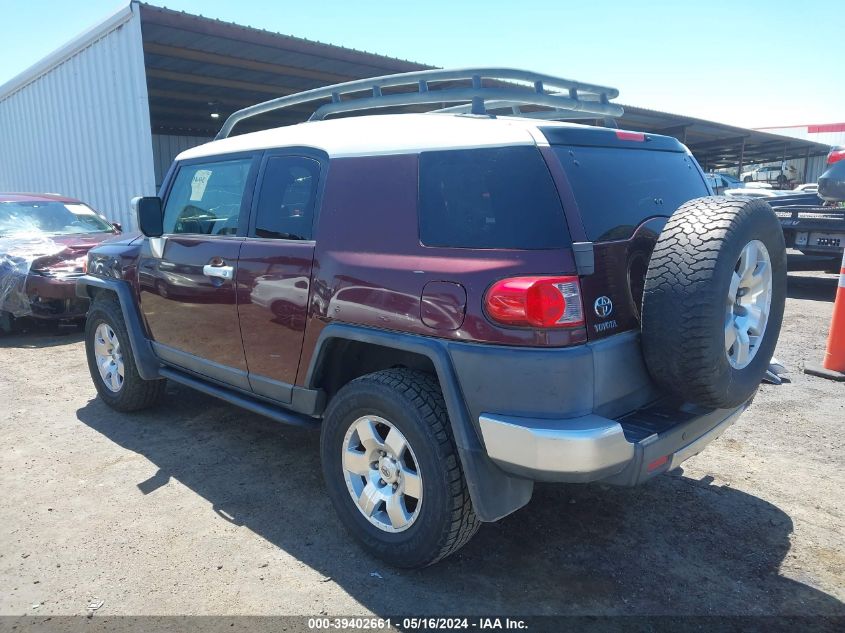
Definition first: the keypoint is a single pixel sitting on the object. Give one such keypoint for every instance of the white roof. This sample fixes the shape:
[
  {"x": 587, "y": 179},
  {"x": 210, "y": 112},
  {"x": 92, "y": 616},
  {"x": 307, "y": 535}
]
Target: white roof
[{"x": 377, "y": 135}]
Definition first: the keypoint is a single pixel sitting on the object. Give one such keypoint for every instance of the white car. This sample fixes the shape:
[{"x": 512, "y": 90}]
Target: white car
[
  {"x": 780, "y": 174},
  {"x": 810, "y": 187}
]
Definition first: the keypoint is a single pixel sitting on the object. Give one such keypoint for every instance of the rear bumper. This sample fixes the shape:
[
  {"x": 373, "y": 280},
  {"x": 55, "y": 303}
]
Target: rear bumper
[{"x": 626, "y": 451}]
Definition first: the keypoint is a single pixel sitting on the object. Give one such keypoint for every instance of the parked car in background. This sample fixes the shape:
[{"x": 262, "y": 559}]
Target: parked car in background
[
  {"x": 781, "y": 175},
  {"x": 809, "y": 187},
  {"x": 44, "y": 241},
  {"x": 721, "y": 182},
  {"x": 814, "y": 223}
]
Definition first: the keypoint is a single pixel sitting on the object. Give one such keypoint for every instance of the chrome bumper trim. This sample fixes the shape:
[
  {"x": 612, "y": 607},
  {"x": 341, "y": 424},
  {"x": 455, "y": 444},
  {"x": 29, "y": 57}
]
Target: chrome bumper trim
[{"x": 576, "y": 449}]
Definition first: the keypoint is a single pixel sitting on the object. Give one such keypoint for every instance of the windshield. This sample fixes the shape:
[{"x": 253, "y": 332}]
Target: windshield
[{"x": 54, "y": 218}]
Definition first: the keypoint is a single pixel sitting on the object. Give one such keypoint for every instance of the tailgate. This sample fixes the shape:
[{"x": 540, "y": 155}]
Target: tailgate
[
  {"x": 613, "y": 294},
  {"x": 625, "y": 185}
]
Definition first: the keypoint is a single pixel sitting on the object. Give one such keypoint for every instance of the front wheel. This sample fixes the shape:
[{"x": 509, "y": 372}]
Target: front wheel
[
  {"x": 111, "y": 362},
  {"x": 392, "y": 470}
]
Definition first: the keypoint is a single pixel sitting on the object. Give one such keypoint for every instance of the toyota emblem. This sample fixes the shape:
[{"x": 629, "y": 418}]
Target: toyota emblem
[{"x": 603, "y": 307}]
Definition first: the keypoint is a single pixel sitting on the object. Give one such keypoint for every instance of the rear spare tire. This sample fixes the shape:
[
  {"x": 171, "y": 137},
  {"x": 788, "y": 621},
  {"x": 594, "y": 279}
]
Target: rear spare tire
[{"x": 713, "y": 300}]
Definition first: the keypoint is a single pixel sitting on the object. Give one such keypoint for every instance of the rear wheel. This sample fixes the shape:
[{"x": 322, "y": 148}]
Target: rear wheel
[
  {"x": 111, "y": 362},
  {"x": 714, "y": 299},
  {"x": 392, "y": 470}
]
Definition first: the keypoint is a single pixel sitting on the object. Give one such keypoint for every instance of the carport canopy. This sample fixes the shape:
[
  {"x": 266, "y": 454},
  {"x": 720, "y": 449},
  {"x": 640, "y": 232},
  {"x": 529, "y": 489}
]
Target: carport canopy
[
  {"x": 197, "y": 67},
  {"x": 717, "y": 145},
  {"x": 200, "y": 70}
]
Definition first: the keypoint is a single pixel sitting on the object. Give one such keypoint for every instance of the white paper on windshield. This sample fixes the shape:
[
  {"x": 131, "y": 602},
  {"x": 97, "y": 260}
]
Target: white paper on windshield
[
  {"x": 79, "y": 209},
  {"x": 199, "y": 183}
]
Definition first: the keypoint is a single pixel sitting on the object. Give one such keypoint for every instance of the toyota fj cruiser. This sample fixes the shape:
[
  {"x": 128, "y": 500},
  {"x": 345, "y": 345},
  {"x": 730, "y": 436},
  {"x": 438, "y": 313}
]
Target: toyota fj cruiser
[{"x": 463, "y": 302}]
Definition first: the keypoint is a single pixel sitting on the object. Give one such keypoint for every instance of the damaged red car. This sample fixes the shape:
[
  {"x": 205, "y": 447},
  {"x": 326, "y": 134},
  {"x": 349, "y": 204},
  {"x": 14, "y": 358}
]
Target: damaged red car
[{"x": 44, "y": 241}]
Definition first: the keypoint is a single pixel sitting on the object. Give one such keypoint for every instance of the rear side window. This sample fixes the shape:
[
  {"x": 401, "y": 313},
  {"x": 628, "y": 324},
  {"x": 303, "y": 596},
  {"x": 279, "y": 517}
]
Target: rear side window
[
  {"x": 500, "y": 197},
  {"x": 286, "y": 200},
  {"x": 617, "y": 188}
]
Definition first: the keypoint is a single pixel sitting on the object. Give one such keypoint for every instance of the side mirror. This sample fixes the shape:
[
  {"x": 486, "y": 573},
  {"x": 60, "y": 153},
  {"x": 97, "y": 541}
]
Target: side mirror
[{"x": 150, "y": 218}]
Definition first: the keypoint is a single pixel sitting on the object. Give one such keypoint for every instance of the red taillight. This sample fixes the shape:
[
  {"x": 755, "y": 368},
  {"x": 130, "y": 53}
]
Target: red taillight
[
  {"x": 622, "y": 135},
  {"x": 536, "y": 302},
  {"x": 835, "y": 156}
]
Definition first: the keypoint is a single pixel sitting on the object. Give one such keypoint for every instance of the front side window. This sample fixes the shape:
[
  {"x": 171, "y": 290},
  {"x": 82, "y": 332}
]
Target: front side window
[
  {"x": 286, "y": 201},
  {"x": 206, "y": 198}
]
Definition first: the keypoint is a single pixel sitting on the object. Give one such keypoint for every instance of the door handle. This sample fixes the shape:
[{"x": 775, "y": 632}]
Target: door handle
[{"x": 220, "y": 272}]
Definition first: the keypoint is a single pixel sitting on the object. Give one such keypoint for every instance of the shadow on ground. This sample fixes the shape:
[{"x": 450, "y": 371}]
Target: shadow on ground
[
  {"x": 41, "y": 335},
  {"x": 676, "y": 545},
  {"x": 813, "y": 288}
]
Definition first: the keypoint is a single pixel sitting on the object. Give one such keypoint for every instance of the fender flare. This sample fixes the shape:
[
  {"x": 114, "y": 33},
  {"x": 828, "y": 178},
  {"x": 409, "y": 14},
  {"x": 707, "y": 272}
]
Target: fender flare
[
  {"x": 145, "y": 359},
  {"x": 494, "y": 493}
]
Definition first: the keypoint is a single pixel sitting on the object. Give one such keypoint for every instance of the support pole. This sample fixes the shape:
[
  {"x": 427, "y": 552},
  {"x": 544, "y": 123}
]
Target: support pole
[
  {"x": 741, "y": 158},
  {"x": 806, "y": 163}
]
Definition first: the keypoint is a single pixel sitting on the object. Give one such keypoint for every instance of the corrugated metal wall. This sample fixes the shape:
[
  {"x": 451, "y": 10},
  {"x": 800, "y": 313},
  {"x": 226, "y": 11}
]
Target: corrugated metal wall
[
  {"x": 166, "y": 147},
  {"x": 81, "y": 127}
]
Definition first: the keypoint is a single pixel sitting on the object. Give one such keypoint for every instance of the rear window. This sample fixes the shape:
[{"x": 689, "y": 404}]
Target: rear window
[
  {"x": 617, "y": 188},
  {"x": 500, "y": 197}
]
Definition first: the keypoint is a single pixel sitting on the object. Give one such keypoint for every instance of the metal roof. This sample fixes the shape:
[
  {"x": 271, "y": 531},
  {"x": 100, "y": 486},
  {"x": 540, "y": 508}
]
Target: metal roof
[
  {"x": 380, "y": 135},
  {"x": 197, "y": 65},
  {"x": 717, "y": 145}
]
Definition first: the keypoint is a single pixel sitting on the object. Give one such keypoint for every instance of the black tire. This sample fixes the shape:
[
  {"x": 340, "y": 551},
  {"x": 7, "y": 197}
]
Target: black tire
[
  {"x": 782, "y": 180},
  {"x": 413, "y": 403},
  {"x": 135, "y": 393},
  {"x": 686, "y": 290},
  {"x": 748, "y": 179}
]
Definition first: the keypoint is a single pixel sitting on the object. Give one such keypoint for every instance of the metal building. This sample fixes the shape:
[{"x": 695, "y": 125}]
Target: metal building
[{"x": 102, "y": 118}]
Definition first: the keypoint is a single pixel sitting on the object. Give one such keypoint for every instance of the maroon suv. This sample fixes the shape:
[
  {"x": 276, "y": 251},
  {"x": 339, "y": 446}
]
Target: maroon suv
[
  {"x": 44, "y": 241},
  {"x": 463, "y": 303}
]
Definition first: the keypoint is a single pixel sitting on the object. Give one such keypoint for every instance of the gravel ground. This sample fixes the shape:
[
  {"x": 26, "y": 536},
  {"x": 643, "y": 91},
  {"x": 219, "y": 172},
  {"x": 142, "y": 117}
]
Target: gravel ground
[{"x": 200, "y": 508}]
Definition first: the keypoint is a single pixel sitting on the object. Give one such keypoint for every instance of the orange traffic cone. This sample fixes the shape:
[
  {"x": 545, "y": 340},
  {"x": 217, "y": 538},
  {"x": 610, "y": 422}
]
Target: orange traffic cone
[{"x": 833, "y": 365}]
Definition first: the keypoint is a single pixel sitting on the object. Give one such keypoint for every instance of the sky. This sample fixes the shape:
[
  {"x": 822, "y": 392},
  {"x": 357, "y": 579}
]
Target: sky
[{"x": 744, "y": 62}]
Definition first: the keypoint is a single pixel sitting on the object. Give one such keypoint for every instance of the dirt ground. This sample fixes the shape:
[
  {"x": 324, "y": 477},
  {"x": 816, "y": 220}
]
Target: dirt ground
[{"x": 200, "y": 508}]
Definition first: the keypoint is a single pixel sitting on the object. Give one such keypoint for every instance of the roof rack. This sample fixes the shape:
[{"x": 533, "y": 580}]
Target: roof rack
[{"x": 567, "y": 95}]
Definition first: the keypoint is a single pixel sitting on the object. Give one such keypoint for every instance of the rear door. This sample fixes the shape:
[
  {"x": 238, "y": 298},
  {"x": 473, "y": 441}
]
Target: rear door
[
  {"x": 625, "y": 186},
  {"x": 187, "y": 276},
  {"x": 274, "y": 270}
]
